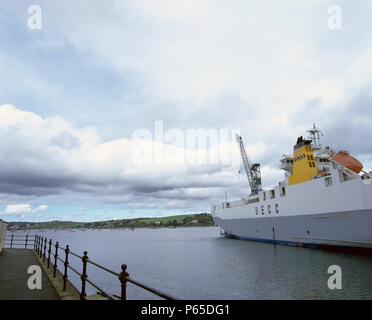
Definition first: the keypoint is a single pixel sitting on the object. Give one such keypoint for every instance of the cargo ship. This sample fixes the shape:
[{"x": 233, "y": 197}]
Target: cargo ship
[{"x": 325, "y": 200}]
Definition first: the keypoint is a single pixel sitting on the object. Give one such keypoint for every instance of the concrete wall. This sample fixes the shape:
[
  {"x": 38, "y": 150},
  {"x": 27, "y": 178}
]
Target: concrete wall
[{"x": 2, "y": 234}]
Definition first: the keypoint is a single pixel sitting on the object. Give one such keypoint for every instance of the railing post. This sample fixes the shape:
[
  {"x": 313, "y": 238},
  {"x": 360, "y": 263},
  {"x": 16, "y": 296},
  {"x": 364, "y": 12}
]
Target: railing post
[
  {"x": 11, "y": 242},
  {"x": 26, "y": 241},
  {"x": 123, "y": 277},
  {"x": 55, "y": 260},
  {"x": 38, "y": 244},
  {"x": 49, "y": 251},
  {"x": 35, "y": 242},
  {"x": 84, "y": 276},
  {"x": 45, "y": 242},
  {"x": 65, "y": 276},
  {"x": 41, "y": 247}
]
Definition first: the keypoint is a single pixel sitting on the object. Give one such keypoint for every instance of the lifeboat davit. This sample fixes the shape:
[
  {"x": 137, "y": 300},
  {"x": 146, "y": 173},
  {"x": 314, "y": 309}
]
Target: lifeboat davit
[{"x": 343, "y": 158}]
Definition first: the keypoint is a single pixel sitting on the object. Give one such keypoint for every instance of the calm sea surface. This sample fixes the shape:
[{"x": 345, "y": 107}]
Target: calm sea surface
[{"x": 197, "y": 263}]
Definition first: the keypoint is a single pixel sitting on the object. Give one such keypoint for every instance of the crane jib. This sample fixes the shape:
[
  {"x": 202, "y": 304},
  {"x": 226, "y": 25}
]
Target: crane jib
[{"x": 253, "y": 171}]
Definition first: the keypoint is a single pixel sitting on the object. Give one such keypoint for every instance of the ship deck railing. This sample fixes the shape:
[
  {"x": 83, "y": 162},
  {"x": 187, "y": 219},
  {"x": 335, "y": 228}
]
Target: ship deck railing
[{"x": 235, "y": 203}]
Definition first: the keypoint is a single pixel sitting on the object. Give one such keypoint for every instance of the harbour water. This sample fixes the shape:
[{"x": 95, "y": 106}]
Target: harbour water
[{"x": 197, "y": 263}]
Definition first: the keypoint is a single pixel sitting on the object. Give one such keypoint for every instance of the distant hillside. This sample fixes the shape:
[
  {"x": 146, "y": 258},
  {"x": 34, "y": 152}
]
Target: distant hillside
[{"x": 187, "y": 220}]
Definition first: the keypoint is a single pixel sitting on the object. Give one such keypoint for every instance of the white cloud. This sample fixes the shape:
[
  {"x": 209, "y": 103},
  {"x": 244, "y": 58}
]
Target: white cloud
[
  {"x": 42, "y": 207},
  {"x": 24, "y": 208},
  {"x": 18, "y": 209},
  {"x": 35, "y": 165}
]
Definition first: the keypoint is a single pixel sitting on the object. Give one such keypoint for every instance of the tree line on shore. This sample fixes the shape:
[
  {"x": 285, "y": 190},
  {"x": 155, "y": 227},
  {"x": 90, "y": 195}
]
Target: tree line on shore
[{"x": 188, "y": 220}]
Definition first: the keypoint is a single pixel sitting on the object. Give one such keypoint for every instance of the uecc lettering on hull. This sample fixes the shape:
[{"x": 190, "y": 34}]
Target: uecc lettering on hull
[{"x": 325, "y": 200}]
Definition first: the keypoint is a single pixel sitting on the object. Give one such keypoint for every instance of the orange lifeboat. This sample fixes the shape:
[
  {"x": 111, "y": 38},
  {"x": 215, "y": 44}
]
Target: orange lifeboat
[{"x": 348, "y": 161}]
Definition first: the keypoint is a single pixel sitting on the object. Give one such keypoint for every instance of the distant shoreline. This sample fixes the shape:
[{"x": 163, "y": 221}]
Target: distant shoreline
[
  {"x": 103, "y": 229},
  {"x": 187, "y": 220}
]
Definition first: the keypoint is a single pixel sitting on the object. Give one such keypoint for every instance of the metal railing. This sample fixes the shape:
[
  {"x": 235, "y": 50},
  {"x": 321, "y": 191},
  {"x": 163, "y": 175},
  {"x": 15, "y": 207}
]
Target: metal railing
[
  {"x": 19, "y": 241},
  {"x": 43, "y": 248}
]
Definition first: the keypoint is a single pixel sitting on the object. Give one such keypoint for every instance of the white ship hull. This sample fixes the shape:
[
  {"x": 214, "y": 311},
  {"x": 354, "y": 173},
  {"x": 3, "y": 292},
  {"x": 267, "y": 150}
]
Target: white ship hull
[{"x": 312, "y": 213}]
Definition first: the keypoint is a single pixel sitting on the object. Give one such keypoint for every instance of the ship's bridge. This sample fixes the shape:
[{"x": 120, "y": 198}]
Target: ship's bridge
[{"x": 286, "y": 163}]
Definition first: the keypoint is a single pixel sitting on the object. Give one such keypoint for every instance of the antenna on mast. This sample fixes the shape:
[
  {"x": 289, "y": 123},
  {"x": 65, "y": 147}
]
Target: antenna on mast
[{"x": 314, "y": 135}]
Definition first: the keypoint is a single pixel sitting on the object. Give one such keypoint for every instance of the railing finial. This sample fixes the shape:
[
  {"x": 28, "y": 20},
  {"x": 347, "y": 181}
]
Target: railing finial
[
  {"x": 84, "y": 276},
  {"x": 65, "y": 276},
  {"x": 123, "y": 277}
]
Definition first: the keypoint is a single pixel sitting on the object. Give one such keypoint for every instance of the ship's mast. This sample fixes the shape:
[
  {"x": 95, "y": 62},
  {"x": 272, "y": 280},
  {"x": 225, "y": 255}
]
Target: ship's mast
[
  {"x": 253, "y": 171},
  {"x": 314, "y": 135}
]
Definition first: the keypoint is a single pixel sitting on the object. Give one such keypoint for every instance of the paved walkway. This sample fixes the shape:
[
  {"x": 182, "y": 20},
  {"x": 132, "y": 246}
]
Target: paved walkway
[{"x": 13, "y": 277}]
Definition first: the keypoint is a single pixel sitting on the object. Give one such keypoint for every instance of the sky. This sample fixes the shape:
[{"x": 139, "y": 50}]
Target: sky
[{"x": 102, "y": 103}]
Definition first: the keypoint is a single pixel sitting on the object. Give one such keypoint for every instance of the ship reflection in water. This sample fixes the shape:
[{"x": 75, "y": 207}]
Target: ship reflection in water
[{"x": 197, "y": 263}]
